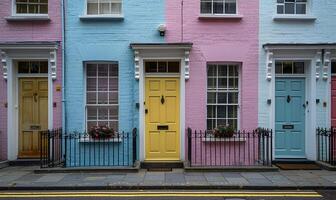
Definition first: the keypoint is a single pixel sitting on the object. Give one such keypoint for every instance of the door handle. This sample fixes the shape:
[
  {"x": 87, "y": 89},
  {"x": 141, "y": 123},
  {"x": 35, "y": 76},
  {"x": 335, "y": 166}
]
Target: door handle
[
  {"x": 289, "y": 99},
  {"x": 162, "y": 100},
  {"x": 35, "y": 97}
]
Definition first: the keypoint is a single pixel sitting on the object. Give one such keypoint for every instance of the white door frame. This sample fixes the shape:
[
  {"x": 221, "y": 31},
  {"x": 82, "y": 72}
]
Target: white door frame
[
  {"x": 142, "y": 97},
  {"x": 310, "y": 117},
  {"x": 13, "y": 55}
]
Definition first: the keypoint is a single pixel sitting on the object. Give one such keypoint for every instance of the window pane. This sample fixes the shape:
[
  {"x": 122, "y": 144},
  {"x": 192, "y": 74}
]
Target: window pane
[
  {"x": 289, "y": 8},
  {"x": 278, "y": 67},
  {"x": 103, "y": 84},
  {"x": 211, "y": 110},
  {"x": 113, "y": 70},
  {"x": 162, "y": 67},
  {"x": 91, "y": 98},
  {"x": 300, "y": 8},
  {"x": 91, "y": 84},
  {"x": 103, "y": 70},
  {"x": 91, "y": 124},
  {"x": 222, "y": 97},
  {"x": 92, "y": 113},
  {"x": 91, "y": 70},
  {"x": 44, "y": 9},
  {"x": 33, "y": 9},
  {"x": 23, "y": 67},
  {"x": 92, "y": 9},
  {"x": 218, "y": 7},
  {"x": 174, "y": 67},
  {"x": 280, "y": 9},
  {"x": 34, "y": 67},
  {"x": 230, "y": 8},
  {"x": 232, "y": 111},
  {"x": 103, "y": 113},
  {"x": 222, "y": 83},
  {"x": 113, "y": 113},
  {"x": 287, "y": 67},
  {"x": 113, "y": 84},
  {"x": 221, "y": 111},
  {"x": 151, "y": 67},
  {"x": 233, "y": 98},
  {"x": 222, "y": 70},
  {"x": 21, "y": 9},
  {"x": 212, "y": 70},
  {"x": 206, "y": 7},
  {"x": 298, "y": 67},
  {"x": 102, "y": 98},
  {"x": 113, "y": 97},
  {"x": 114, "y": 125},
  {"x": 211, "y": 97},
  {"x": 212, "y": 83},
  {"x": 116, "y": 8},
  {"x": 43, "y": 67},
  {"x": 104, "y": 8},
  {"x": 211, "y": 124}
]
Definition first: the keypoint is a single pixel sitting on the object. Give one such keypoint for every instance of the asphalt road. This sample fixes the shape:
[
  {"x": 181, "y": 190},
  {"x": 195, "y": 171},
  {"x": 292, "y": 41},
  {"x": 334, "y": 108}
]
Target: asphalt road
[{"x": 169, "y": 195}]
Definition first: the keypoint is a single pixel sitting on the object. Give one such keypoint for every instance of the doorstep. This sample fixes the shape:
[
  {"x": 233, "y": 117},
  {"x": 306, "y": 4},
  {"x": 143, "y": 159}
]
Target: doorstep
[
  {"x": 326, "y": 166},
  {"x": 4, "y": 164},
  {"x": 163, "y": 164},
  {"x": 232, "y": 169},
  {"x": 112, "y": 169},
  {"x": 24, "y": 162}
]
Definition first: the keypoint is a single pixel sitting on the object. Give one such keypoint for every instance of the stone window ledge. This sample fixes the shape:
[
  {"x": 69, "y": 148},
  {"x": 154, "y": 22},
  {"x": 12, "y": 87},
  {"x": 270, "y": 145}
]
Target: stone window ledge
[
  {"x": 101, "y": 18},
  {"x": 294, "y": 17},
  {"x": 223, "y": 17},
  {"x": 90, "y": 140},
  {"x": 28, "y": 18}
]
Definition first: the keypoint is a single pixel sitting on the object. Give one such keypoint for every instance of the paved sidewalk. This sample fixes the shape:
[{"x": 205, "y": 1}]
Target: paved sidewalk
[{"x": 25, "y": 178}]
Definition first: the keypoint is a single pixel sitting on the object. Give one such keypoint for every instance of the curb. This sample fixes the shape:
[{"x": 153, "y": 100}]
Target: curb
[{"x": 167, "y": 187}]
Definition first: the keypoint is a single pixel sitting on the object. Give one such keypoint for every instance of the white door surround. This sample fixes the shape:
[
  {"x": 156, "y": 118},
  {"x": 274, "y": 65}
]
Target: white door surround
[
  {"x": 317, "y": 73},
  {"x": 161, "y": 51},
  {"x": 10, "y": 53}
]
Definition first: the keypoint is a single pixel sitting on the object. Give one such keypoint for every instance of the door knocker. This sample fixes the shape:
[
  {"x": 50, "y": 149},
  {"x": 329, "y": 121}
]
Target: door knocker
[
  {"x": 289, "y": 99},
  {"x": 162, "y": 100}
]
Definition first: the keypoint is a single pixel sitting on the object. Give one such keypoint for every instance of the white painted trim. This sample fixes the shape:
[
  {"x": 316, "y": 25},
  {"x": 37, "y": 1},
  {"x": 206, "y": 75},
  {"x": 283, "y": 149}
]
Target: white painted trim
[
  {"x": 310, "y": 117},
  {"x": 12, "y": 98},
  {"x": 142, "y": 123}
]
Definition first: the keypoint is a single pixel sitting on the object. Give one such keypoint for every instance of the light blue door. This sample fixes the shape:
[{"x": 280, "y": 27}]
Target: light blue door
[{"x": 290, "y": 107}]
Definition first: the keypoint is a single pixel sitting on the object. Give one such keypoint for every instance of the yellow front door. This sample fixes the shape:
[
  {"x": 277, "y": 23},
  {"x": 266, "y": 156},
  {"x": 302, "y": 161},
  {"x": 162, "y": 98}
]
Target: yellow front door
[
  {"x": 162, "y": 119},
  {"x": 33, "y": 115}
]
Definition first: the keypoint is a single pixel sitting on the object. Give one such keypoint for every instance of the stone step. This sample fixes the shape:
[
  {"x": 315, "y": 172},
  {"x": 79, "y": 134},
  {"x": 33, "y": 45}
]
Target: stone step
[
  {"x": 24, "y": 162},
  {"x": 161, "y": 165}
]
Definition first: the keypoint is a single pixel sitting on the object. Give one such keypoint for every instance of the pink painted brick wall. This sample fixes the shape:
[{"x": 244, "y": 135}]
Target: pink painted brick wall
[
  {"x": 23, "y": 32},
  {"x": 220, "y": 40}
]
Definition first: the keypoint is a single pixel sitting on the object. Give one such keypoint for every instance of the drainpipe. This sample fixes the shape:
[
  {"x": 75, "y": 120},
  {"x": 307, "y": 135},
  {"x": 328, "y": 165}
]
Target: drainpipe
[{"x": 63, "y": 67}]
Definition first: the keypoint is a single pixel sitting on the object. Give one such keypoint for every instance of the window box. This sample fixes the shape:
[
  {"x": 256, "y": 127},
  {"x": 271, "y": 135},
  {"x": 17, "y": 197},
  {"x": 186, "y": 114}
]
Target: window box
[
  {"x": 227, "y": 16},
  {"x": 91, "y": 140},
  {"x": 28, "y": 18},
  {"x": 294, "y": 17},
  {"x": 101, "y": 17},
  {"x": 232, "y": 139}
]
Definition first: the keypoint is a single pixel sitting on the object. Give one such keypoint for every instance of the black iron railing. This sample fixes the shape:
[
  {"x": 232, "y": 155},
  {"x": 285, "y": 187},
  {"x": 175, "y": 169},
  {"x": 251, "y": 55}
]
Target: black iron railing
[
  {"x": 326, "y": 145},
  {"x": 80, "y": 150},
  {"x": 245, "y": 148}
]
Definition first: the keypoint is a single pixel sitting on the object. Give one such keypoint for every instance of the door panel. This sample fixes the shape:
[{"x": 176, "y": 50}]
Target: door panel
[
  {"x": 289, "y": 118},
  {"x": 33, "y": 114},
  {"x": 162, "y": 119},
  {"x": 333, "y": 101}
]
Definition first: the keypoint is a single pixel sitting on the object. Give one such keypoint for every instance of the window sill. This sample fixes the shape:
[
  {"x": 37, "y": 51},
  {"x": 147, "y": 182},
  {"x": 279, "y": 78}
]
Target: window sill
[
  {"x": 294, "y": 17},
  {"x": 91, "y": 140},
  {"x": 101, "y": 18},
  {"x": 209, "y": 16},
  {"x": 28, "y": 18},
  {"x": 233, "y": 139}
]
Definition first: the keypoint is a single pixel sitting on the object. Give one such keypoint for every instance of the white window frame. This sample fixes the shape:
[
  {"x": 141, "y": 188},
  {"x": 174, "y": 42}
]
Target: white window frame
[
  {"x": 238, "y": 68},
  {"x": 104, "y": 15},
  {"x": 100, "y": 105},
  {"x": 219, "y": 14},
  {"x": 14, "y": 13},
  {"x": 295, "y": 3}
]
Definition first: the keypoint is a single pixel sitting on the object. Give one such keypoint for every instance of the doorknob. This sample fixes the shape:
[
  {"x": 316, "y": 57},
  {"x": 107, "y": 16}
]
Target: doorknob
[
  {"x": 289, "y": 99},
  {"x": 35, "y": 97},
  {"x": 162, "y": 100}
]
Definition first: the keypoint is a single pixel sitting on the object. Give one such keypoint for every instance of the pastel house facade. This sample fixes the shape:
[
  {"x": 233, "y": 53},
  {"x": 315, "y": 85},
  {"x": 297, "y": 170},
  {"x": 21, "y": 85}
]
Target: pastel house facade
[
  {"x": 31, "y": 75},
  {"x": 297, "y": 48},
  {"x": 101, "y": 81},
  {"x": 222, "y": 74}
]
